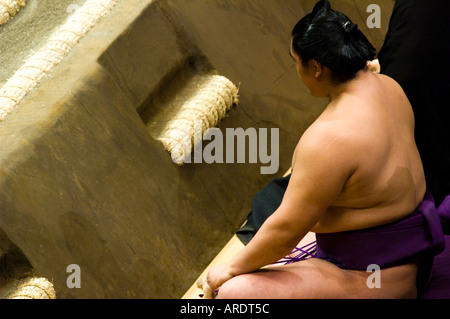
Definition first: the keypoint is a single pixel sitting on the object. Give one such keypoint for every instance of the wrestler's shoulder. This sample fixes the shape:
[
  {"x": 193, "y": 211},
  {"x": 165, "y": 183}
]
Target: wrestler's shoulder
[
  {"x": 328, "y": 138},
  {"x": 328, "y": 132},
  {"x": 390, "y": 83}
]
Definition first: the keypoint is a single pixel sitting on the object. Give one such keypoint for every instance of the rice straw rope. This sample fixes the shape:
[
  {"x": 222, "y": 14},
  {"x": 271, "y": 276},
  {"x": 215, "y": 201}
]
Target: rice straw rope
[
  {"x": 33, "y": 288},
  {"x": 207, "y": 106},
  {"x": 9, "y": 8},
  {"x": 53, "y": 52}
]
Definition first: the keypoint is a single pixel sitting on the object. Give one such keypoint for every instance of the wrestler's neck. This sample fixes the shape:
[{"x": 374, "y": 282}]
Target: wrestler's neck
[{"x": 336, "y": 92}]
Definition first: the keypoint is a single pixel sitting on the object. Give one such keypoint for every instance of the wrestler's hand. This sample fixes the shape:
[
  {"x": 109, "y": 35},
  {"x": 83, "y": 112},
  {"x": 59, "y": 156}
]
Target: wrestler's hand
[
  {"x": 216, "y": 277},
  {"x": 208, "y": 293}
]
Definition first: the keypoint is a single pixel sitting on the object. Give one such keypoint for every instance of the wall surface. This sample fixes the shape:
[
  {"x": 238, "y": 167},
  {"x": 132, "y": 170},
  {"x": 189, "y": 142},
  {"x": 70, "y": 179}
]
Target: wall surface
[{"x": 82, "y": 180}]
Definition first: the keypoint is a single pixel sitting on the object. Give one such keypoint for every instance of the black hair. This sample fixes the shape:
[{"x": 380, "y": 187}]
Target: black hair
[{"x": 330, "y": 38}]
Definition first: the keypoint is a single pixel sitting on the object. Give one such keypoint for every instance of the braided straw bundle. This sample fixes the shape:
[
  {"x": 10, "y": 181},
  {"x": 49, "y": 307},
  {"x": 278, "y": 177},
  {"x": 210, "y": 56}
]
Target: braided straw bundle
[
  {"x": 207, "y": 105},
  {"x": 9, "y": 8},
  {"x": 53, "y": 52},
  {"x": 33, "y": 288}
]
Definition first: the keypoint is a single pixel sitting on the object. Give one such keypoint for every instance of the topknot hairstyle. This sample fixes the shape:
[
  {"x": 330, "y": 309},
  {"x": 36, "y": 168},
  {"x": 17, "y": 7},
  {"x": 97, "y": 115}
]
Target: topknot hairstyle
[{"x": 330, "y": 38}]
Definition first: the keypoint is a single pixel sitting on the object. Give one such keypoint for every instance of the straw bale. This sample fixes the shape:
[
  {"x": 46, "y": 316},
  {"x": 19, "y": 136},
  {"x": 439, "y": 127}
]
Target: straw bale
[
  {"x": 52, "y": 52},
  {"x": 33, "y": 288},
  {"x": 9, "y": 8},
  {"x": 208, "y": 105}
]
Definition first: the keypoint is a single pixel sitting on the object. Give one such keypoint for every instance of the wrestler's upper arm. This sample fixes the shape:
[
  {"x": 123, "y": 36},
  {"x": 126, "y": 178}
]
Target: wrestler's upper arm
[{"x": 321, "y": 167}]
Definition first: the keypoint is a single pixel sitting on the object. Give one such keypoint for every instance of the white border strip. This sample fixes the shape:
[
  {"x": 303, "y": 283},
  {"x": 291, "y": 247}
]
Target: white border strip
[{"x": 53, "y": 52}]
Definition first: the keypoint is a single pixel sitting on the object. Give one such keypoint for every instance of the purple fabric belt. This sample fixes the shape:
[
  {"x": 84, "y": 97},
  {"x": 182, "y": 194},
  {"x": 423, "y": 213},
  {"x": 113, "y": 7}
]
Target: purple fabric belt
[
  {"x": 418, "y": 237},
  {"x": 388, "y": 245}
]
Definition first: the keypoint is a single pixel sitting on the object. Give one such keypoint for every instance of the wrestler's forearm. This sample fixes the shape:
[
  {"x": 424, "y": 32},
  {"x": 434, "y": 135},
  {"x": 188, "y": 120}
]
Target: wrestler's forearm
[{"x": 275, "y": 239}]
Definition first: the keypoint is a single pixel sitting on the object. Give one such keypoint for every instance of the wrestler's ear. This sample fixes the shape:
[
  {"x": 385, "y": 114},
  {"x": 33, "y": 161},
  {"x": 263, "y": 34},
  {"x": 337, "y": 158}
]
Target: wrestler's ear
[{"x": 317, "y": 68}]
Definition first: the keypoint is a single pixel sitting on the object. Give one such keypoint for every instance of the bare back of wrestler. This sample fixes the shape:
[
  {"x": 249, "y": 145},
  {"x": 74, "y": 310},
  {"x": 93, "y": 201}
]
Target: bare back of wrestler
[{"x": 357, "y": 166}]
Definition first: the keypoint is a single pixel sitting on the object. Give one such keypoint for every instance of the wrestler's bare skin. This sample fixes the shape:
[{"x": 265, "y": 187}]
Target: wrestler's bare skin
[{"x": 355, "y": 167}]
